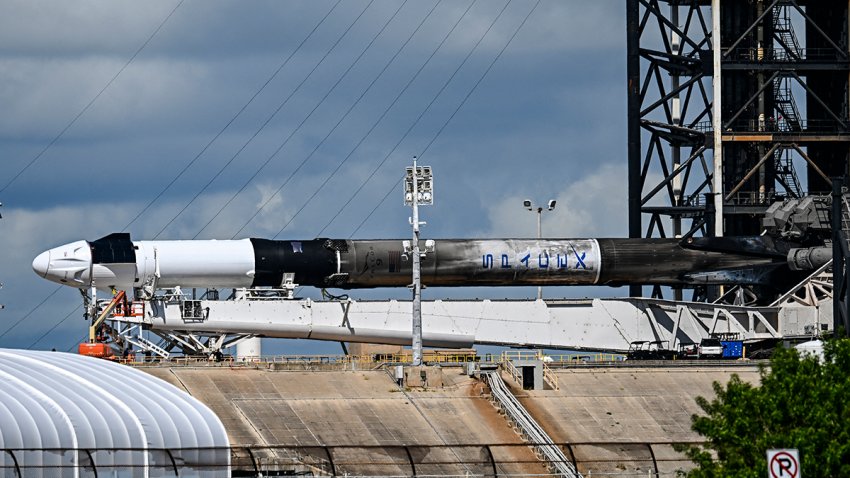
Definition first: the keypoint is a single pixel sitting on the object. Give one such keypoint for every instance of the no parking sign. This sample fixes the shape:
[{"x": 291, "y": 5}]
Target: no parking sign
[{"x": 783, "y": 463}]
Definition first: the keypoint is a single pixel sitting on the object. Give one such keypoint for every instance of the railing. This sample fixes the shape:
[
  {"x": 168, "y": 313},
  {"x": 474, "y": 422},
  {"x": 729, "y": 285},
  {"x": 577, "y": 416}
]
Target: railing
[
  {"x": 549, "y": 376},
  {"x": 785, "y": 103},
  {"x": 751, "y": 198},
  {"x": 135, "y": 308},
  {"x": 784, "y": 28},
  {"x": 429, "y": 357},
  {"x": 513, "y": 371},
  {"x": 364, "y": 362},
  {"x": 744, "y": 198},
  {"x": 565, "y": 358},
  {"x": 644, "y": 459},
  {"x": 201, "y": 462},
  {"x": 370, "y": 359},
  {"x": 774, "y": 125},
  {"x": 763, "y": 55},
  {"x": 510, "y": 355}
]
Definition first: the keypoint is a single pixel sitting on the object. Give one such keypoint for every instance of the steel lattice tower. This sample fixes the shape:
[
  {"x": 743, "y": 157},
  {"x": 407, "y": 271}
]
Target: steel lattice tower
[{"x": 781, "y": 74}]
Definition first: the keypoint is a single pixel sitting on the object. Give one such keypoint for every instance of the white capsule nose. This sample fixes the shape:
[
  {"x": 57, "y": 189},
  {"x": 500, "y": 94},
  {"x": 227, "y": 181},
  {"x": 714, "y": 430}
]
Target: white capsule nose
[
  {"x": 69, "y": 264},
  {"x": 41, "y": 263}
]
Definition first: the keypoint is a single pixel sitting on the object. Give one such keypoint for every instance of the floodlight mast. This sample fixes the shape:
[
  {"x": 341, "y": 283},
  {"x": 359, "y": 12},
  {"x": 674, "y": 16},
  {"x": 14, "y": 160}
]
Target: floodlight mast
[
  {"x": 413, "y": 197},
  {"x": 417, "y": 274}
]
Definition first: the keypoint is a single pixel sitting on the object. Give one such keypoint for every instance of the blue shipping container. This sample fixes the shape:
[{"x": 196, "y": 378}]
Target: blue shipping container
[{"x": 732, "y": 348}]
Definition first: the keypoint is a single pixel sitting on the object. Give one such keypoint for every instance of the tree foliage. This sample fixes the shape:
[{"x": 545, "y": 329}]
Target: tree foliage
[{"x": 802, "y": 403}]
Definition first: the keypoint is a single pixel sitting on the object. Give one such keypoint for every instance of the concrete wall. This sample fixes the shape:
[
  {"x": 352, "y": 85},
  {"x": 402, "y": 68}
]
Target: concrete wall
[
  {"x": 348, "y": 408},
  {"x": 624, "y": 407}
]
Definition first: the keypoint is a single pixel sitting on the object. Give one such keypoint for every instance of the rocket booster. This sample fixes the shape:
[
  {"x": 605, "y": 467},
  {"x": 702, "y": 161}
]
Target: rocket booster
[{"x": 117, "y": 261}]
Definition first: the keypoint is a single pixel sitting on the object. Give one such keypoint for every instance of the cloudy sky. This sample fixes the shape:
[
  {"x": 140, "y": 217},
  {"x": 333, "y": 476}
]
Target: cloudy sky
[{"x": 217, "y": 119}]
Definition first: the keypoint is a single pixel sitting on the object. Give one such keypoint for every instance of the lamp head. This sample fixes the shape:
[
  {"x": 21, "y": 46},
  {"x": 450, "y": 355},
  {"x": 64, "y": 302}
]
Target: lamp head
[
  {"x": 551, "y": 204},
  {"x": 527, "y": 204}
]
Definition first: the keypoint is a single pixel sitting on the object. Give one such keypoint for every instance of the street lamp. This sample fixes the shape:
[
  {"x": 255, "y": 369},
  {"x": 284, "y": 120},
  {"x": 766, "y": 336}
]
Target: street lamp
[{"x": 529, "y": 206}]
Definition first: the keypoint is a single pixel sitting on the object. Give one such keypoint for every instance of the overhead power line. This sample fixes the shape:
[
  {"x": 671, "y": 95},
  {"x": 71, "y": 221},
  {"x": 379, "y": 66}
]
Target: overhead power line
[
  {"x": 67, "y": 127},
  {"x": 276, "y": 111},
  {"x": 398, "y": 143},
  {"x": 412, "y": 126},
  {"x": 395, "y": 100},
  {"x": 480, "y": 79},
  {"x": 310, "y": 114},
  {"x": 230, "y": 122},
  {"x": 274, "y": 114},
  {"x": 226, "y": 126},
  {"x": 440, "y": 131},
  {"x": 92, "y": 101},
  {"x": 17, "y": 322},
  {"x": 55, "y": 326}
]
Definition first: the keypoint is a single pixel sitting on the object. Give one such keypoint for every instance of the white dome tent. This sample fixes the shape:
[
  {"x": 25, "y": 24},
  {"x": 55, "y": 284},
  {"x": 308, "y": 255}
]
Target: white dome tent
[{"x": 62, "y": 413}]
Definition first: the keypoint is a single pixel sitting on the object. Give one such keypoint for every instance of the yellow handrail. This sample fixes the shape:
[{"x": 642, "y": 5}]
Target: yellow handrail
[
  {"x": 550, "y": 376},
  {"x": 434, "y": 357},
  {"x": 572, "y": 357}
]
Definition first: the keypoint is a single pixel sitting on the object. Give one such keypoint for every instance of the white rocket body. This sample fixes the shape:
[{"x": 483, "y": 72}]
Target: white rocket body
[{"x": 208, "y": 263}]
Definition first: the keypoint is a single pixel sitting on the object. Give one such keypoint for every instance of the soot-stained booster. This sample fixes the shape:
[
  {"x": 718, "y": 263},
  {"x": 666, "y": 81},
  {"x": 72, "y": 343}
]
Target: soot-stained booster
[
  {"x": 117, "y": 261},
  {"x": 459, "y": 262}
]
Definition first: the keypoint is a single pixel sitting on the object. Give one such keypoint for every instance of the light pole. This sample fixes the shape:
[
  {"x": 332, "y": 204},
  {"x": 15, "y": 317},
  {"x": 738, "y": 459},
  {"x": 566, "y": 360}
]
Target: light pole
[
  {"x": 551, "y": 207},
  {"x": 418, "y": 191}
]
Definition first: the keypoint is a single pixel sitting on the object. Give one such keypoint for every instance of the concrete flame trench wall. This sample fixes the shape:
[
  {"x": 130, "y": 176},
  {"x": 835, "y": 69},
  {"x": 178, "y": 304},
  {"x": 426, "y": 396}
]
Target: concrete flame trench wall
[
  {"x": 333, "y": 408},
  {"x": 365, "y": 408}
]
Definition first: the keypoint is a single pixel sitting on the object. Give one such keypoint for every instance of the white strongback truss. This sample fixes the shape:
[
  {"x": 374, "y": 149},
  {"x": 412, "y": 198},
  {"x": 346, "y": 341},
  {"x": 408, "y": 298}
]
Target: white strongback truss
[{"x": 207, "y": 326}]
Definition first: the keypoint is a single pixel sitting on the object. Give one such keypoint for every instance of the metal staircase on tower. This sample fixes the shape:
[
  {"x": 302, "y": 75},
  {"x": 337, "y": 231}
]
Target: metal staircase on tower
[
  {"x": 786, "y": 107},
  {"x": 786, "y": 174},
  {"x": 784, "y": 34}
]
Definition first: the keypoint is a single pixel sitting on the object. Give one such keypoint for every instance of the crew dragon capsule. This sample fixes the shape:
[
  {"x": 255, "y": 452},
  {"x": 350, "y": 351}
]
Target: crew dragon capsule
[{"x": 115, "y": 261}]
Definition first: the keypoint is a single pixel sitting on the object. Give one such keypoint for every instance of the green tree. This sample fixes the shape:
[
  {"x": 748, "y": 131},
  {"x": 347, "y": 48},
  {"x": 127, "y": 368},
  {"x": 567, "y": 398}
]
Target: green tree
[{"x": 802, "y": 403}]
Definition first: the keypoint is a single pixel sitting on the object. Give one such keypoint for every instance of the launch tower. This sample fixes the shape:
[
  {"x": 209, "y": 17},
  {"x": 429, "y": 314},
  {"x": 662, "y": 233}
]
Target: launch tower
[{"x": 717, "y": 135}]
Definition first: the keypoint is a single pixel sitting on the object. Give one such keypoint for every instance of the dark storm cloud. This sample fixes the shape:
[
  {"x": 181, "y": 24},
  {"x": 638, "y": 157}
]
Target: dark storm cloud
[{"x": 547, "y": 121}]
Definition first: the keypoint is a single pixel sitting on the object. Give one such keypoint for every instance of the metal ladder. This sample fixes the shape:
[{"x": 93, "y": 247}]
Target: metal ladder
[{"x": 535, "y": 434}]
